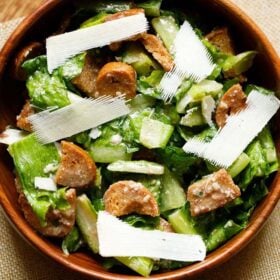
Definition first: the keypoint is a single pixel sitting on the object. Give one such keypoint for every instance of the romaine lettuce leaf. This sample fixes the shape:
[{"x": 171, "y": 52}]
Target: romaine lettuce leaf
[
  {"x": 45, "y": 90},
  {"x": 30, "y": 159}
]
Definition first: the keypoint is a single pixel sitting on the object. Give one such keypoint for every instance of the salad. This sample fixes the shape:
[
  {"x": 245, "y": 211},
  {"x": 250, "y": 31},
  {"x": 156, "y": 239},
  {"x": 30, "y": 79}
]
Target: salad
[{"x": 134, "y": 167}]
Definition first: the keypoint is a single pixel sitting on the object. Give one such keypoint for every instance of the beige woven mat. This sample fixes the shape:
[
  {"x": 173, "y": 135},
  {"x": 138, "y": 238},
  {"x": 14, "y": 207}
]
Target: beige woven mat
[{"x": 259, "y": 261}]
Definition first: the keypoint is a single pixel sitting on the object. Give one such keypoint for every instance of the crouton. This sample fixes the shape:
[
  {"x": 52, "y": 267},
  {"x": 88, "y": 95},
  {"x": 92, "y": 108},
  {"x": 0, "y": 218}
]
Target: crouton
[
  {"x": 155, "y": 46},
  {"x": 116, "y": 78},
  {"x": 233, "y": 101},
  {"x": 221, "y": 39},
  {"x": 77, "y": 169},
  {"x": 86, "y": 81},
  {"x": 211, "y": 193},
  {"x": 22, "y": 118},
  {"x": 126, "y": 197}
]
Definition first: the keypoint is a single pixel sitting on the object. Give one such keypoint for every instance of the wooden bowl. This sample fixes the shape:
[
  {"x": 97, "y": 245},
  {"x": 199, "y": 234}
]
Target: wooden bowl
[{"x": 38, "y": 26}]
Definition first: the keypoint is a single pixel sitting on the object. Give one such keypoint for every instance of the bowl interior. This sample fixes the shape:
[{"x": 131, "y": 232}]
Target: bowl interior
[{"x": 266, "y": 72}]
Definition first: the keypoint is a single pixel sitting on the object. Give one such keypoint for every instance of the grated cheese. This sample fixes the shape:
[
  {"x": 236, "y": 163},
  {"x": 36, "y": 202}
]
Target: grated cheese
[{"x": 128, "y": 241}]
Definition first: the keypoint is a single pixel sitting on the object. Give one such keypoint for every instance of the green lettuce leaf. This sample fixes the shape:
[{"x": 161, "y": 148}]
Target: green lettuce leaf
[{"x": 30, "y": 159}]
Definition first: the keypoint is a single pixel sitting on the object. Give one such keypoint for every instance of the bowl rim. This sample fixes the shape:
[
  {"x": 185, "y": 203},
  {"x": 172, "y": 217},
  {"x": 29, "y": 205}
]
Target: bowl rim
[{"x": 217, "y": 257}]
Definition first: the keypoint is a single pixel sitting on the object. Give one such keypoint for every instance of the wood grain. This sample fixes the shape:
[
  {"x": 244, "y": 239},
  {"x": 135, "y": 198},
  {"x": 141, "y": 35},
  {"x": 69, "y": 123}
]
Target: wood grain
[{"x": 10, "y": 9}]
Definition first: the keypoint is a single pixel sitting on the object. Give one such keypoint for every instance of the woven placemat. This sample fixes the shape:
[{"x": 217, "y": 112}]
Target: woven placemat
[{"x": 259, "y": 261}]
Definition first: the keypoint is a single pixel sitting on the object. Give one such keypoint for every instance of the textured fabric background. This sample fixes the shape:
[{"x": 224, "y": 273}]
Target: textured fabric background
[{"x": 259, "y": 261}]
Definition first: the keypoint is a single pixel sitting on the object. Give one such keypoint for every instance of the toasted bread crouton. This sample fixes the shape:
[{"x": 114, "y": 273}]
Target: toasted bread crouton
[
  {"x": 221, "y": 39},
  {"x": 116, "y": 78},
  {"x": 58, "y": 223},
  {"x": 29, "y": 51},
  {"x": 117, "y": 45},
  {"x": 77, "y": 169},
  {"x": 211, "y": 193},
  {"x": 22, "y": 118},
  {"x": 86, "y": 81},
  {"x": 155, "y": 46},
  {"x": 126, "y": 197},
  {"x": 233, "y": 101}
]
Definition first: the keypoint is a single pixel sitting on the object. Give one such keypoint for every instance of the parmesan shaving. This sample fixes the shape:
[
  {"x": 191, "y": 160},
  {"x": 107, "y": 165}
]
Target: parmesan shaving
[
  {"x": 77, "y": 117},
  {"x": 192, "y": 60},
  {"x": 10, "y": 136},
  {"x": 43, "y": 183},
  {"x": 128, "y": 241},
  {"x": 239, "y": 131},
  {"x": 64, "y": 46}
]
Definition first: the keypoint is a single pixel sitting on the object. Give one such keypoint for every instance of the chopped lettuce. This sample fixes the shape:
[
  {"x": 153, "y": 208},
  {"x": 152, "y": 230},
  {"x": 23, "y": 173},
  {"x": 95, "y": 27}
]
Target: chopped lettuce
[
  {"x": 107, "y": 6},
  {"x": 172, "y": 192},
  {"x": 149, "y": 85},
  {"x": 255, "y": 194},
  {"x": 263, "y": 159},
  {"x": 264, "y": 91},
  {"x": 28, "y": 166},
  {"x": 38, "y": 63},
  {"x": 177, "y": 160},
  {"x": 72, "y": 67},
  {"x": 221, "y": 234},
  {"x": 141, "y": 221},
  {"x": 167, "y": 35},
  {"x": 110, "y": 146},
  {"x": 72, "y": 242},
  {"x": 238, "y": 64},
  {"x": 45, "y": 90},
  {"x": 151, "y": 7},
  {"x": 181, "y": 220},
  {"x": 97, "y": 19},
  {"x": 135, "y": 55},
  {"x": 141, "y": 102}
]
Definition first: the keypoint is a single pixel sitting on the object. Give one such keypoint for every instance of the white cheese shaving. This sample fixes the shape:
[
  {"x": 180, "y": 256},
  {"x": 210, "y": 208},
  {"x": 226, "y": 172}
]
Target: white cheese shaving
[
  {"x": 77, "y": 117},
  {"x": 10, "y": 136},
  {"x": 239, "y": 131},
  {"x": 43, "y": 183},
  {"x": 118, "y": 239},
  {"x": 191, "y": 58},
  {"x": 64, "y": 46}
]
